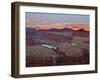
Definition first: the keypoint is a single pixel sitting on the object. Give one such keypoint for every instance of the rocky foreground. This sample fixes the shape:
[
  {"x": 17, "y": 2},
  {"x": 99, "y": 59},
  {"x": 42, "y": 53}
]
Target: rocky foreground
[{"x": 65, "y": 54}]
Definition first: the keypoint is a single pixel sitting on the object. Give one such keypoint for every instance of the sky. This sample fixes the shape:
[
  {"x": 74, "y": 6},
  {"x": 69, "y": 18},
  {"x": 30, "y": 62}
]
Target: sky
[{"x": 34, "y": 19}]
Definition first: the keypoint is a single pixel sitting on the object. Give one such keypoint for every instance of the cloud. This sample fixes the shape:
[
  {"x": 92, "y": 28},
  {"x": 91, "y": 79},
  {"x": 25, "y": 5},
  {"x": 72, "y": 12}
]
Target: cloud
[{"x": 35, "y": 22}]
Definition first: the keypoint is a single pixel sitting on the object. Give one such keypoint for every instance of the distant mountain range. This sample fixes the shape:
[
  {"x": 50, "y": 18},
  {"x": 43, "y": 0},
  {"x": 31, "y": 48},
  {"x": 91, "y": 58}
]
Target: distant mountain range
[{"x": 75, "y": 27}]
